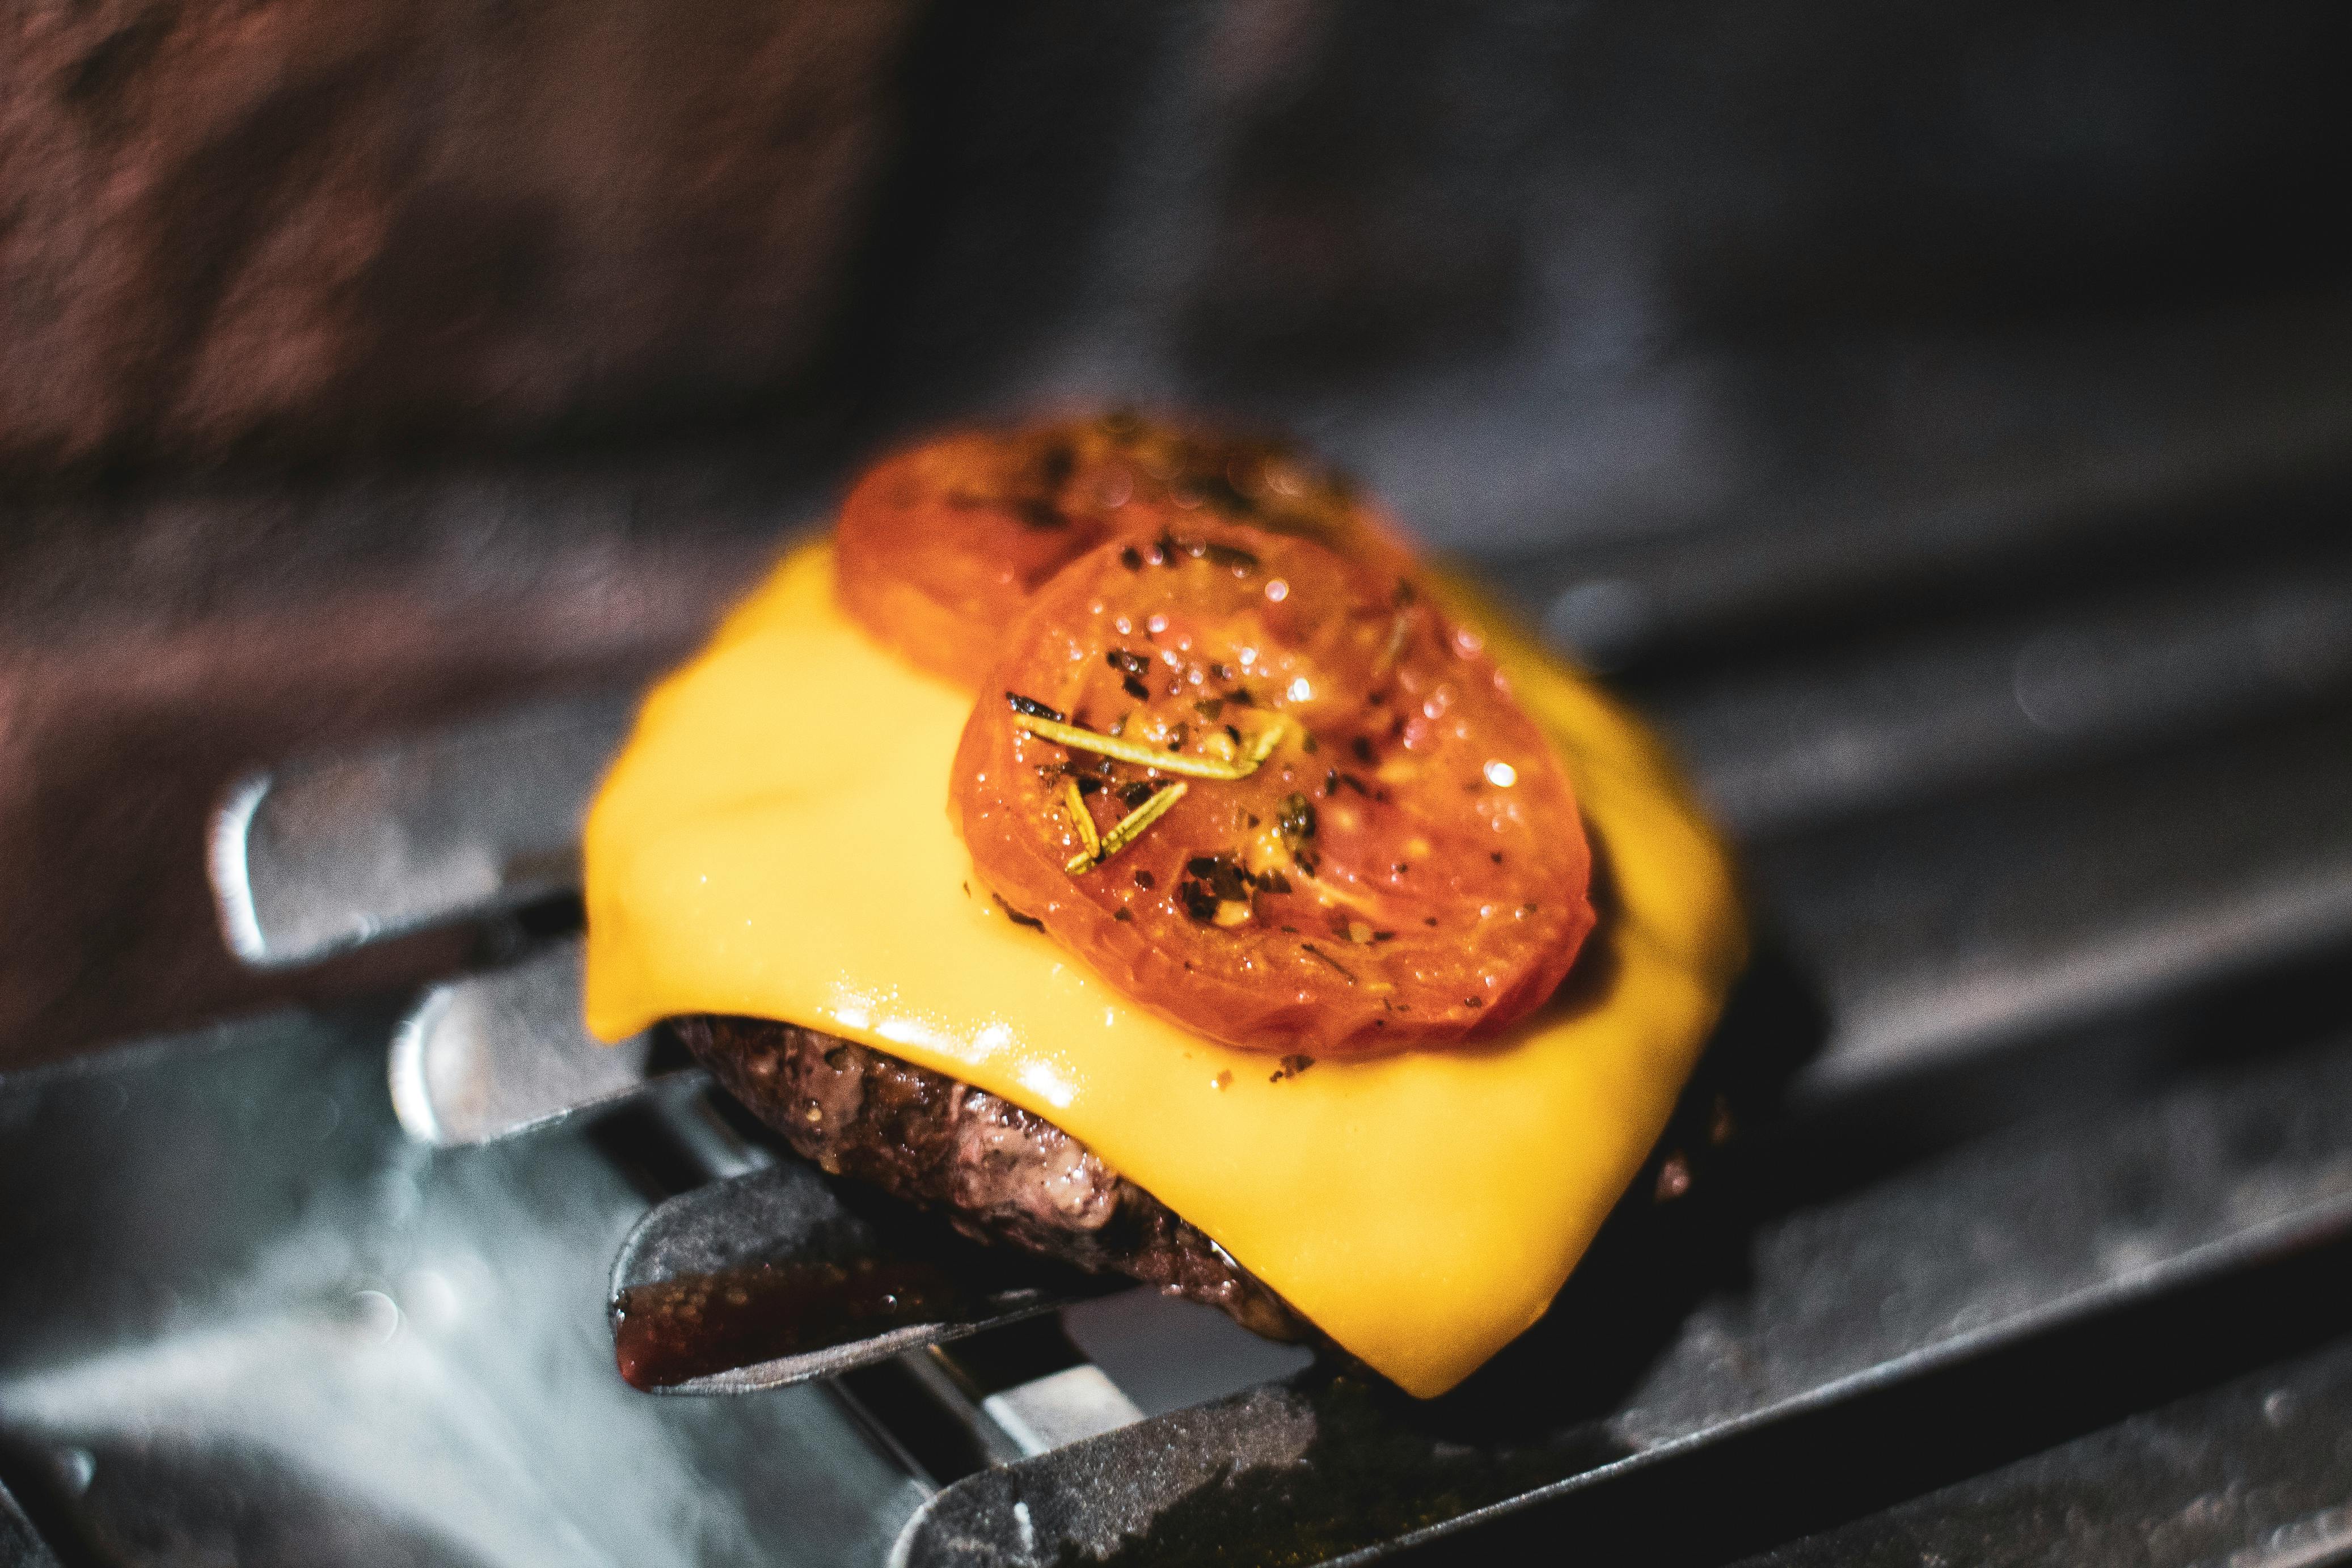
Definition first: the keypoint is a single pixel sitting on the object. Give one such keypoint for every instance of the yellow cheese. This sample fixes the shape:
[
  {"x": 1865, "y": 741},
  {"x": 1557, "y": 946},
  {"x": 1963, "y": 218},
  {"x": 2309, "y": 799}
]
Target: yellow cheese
[{"x": 774, "y": 842}]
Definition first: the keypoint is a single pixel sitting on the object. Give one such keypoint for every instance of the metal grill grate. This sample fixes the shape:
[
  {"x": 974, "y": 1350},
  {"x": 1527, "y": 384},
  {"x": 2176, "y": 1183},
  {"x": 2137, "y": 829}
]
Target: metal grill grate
[{"x": 2057, "y": 843}]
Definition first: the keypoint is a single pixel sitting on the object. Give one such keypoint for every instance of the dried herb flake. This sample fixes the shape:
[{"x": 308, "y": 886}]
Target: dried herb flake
[
  {"x": 1033, "y": 707},
  {"x": 1312, "y": 951}
]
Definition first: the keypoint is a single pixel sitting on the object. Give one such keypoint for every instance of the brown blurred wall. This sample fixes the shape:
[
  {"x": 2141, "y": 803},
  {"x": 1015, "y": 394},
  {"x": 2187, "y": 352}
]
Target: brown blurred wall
[
  {"x": 239, "y": 239},
  {"x": 296, "y": 226}
]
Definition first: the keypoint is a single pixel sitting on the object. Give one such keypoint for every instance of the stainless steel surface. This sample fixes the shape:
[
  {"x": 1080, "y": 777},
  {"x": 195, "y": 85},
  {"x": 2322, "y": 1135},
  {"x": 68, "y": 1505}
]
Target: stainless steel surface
[
  {"x": 1165, "y": 1353},
  {"x": 2011, "y": 1237},
  {"x": 1028, "y": 1390},
  {"x": 20, "y": 1545},
  {"x": 1061, "y": 1408},
  {"x": 1904, "y": 509},
  {"x": 2061, "y": 899},
  {"x": 2254, "y": 1474},
  {"x": 491, "y": 1055},
  {"x": 319, "y": 856},
  {"x": 1817, "y": 735},
  {"x": 249, "y": 1320}
]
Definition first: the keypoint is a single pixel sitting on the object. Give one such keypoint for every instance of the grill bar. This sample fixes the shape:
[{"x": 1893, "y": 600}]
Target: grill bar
[
  {"x": 20, "y": 1546},
  {"x": 492, "y": 1055},
  {"x": 1801, "y": 740},
  {"x": 2061, "y": 899},
  {"x": 2249, "y": 1475},
  {"x": 456, "y": 825}
]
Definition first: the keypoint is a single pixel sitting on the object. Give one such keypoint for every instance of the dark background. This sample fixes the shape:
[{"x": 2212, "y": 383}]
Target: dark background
[{"x": 362, "y": 364}]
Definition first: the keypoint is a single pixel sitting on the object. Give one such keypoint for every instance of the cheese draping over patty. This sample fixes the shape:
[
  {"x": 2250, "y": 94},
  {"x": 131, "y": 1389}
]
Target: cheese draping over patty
[{"x": 773, "y": 841}]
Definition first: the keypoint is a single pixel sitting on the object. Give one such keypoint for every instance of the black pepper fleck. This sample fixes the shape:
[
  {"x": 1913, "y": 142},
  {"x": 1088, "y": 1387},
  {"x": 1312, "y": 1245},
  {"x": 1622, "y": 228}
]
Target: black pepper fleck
[
  {"x": 1312, "y": 951},
  {"x": 1033, "y": 707},
  {"x": 1031, "y": 921}
]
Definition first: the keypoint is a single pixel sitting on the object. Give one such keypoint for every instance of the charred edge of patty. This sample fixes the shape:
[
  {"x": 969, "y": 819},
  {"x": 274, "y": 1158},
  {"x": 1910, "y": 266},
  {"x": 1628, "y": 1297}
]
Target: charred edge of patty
[{"x": 998, "y": 1172}]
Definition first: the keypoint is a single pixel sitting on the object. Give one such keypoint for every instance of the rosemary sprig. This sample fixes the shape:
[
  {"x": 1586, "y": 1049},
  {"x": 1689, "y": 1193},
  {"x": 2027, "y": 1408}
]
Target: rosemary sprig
[
  {"x": 1128, "y": 829},
  {"x": 1077, "y": 805},
  {"x": 1263, "y": 746},
  {"x": 1078, "y": 740}
]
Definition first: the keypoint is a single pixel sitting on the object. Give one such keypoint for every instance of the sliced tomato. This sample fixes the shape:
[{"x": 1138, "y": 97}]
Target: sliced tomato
[
  {"x": 1373, "y": 847},
  {"x": 939, "y": 545}
]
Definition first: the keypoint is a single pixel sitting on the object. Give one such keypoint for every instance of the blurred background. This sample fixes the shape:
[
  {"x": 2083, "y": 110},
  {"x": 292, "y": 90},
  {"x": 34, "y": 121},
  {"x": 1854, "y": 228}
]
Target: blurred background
[{"x": 1937, "y": 418}]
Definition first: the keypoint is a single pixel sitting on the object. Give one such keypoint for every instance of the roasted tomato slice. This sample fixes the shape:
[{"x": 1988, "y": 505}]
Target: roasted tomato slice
[
  {"x": 941, "y": 544},
  {"x": 1271, "y": 793}
]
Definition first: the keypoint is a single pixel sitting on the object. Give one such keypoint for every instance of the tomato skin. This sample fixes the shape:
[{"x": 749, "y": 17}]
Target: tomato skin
[
  {"x": 939, "y": 545},
  {"x": 1407, "y": 866}
]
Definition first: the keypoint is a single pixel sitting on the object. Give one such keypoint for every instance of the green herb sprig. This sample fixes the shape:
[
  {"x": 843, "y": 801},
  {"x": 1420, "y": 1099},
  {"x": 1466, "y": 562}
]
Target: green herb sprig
[
  {"x": 1127, "y": 828},
  {"x": 1076, "y": 804},
  {"x": 1260, "y": 748}
]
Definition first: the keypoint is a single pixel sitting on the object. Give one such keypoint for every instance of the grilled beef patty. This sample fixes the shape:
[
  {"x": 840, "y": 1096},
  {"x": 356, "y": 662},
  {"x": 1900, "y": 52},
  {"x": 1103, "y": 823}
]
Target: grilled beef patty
[{"x": 1000, "y": 1173}]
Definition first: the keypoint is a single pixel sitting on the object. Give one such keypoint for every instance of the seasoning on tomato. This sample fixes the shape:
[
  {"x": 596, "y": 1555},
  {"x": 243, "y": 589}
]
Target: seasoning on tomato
[
  {"x": 1273, "y": 794},
  {"x": 941, "y": 545}
]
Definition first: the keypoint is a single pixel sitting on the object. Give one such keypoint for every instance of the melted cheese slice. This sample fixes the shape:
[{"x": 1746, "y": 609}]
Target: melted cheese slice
[{"x": 774, "y": 842}]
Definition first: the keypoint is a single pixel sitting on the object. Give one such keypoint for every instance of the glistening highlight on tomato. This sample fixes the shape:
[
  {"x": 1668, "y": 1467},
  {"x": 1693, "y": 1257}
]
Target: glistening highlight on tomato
[
  {"x": 941, "y": 545},
  {"x": 1273, "y": 794}
]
